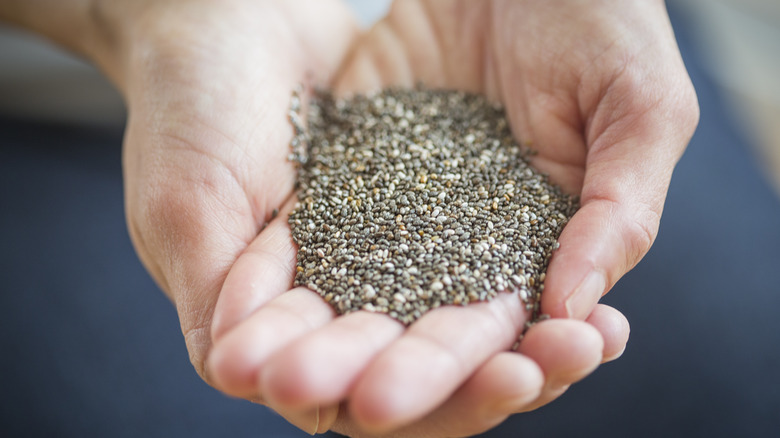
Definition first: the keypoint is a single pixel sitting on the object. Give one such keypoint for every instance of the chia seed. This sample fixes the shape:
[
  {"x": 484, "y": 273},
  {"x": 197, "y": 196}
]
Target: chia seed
[{"x": 414, "y": 199}]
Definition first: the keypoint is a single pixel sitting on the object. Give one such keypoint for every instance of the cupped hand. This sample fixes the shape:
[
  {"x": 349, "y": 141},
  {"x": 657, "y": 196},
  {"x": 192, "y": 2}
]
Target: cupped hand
[
  {"x": 208, "y": 87},
  {"x": 602, "y": 95}
]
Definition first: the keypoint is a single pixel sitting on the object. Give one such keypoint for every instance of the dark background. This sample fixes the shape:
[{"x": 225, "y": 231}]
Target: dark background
[{"x": 89, "y": 347}]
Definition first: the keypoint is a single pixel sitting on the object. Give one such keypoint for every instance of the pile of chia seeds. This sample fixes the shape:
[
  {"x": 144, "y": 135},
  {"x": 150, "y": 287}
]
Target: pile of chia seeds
[{"x": 414, "y": 199}]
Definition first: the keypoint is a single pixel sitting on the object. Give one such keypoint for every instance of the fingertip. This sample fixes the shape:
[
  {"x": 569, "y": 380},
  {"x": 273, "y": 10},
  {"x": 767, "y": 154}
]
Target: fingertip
[
  {"x": 614, "y": 328},
  {"x": 292, "y": 380},
  {"x": 324, "y": 366},
  {"x": 282, "y": 381},
  {"x": 371, "y": 417},
  {"x": 380, "y": 401},
  {"x": 318, "y": 419},
  {"x": 502, "y": 386},
  {"x": 231, "y": 370},
  {"x": 515, "y": 379},
  {"x": 360, "y": 74},
  {"x": 383, "y": 399},
  {"x": 566, "y": 350},
  {"x": 237, "y": 358}
]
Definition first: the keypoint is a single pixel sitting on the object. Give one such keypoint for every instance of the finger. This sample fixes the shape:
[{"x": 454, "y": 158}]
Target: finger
[
  {"x": 237, "y": 358},
  {"x": 320, "y": 368},
  {"x": 506, "y": 384},
  {"x": 441, "y": 46},
  {"x": 614, "y": 329},
  {"x": 622, "y": 200},
  {"x": 361, "y": 73},
  {"x": 421, "y": 369},
  {"x": 500, "y": 387},
  {"x": 566, "y": 351},
  {"x": 263, "y": 271},
  {"x": 511, "y": 382},
  {"x": 383, "y": 58},
  {"x": 600, "y": 244}
]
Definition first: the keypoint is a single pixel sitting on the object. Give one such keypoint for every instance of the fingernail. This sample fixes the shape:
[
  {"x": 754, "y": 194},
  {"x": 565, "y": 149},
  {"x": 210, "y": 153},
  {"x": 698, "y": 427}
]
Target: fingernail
[
  {"x": 582, "y": 301},
  {"x": 308, "y": 420},
  {"x": 312, "y": 421},
  {"x": 326, "y": 417}
]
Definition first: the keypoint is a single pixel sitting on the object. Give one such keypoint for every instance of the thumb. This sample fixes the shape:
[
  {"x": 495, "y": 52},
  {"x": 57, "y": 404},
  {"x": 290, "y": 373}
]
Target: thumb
[{"x": 637, "y": 132}]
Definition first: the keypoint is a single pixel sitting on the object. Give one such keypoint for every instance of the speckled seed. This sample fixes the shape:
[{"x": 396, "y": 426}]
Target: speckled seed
[{"x": 413, "y": 199}]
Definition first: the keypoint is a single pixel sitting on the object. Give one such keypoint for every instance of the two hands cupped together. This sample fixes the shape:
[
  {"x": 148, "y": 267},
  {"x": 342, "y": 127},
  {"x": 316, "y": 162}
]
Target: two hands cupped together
[{"x": 597, "y": 87}]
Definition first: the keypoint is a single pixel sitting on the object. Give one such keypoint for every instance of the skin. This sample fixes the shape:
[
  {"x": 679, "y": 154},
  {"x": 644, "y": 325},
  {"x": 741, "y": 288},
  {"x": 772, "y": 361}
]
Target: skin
[{"x": 596, "y": 87}]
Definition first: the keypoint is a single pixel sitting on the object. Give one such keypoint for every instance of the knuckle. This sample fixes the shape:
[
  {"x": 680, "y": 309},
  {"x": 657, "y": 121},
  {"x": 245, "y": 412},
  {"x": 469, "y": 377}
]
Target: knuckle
[{"x": 639, "y": 233}]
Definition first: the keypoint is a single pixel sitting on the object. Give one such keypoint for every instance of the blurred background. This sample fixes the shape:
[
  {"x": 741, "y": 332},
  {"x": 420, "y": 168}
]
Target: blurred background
[{"x": 90, "y": 347}]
